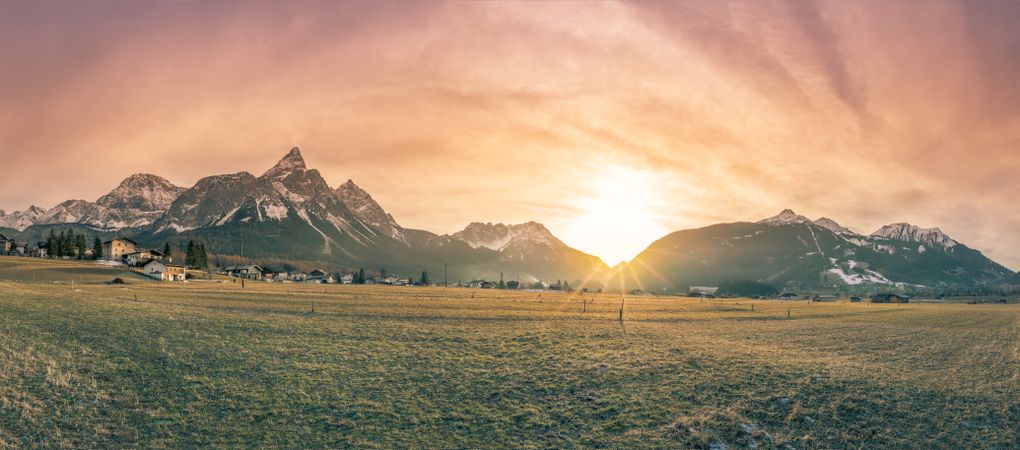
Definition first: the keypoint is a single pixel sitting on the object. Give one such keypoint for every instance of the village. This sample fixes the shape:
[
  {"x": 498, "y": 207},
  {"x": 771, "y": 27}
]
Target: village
[{"x": 160, "y": 265}]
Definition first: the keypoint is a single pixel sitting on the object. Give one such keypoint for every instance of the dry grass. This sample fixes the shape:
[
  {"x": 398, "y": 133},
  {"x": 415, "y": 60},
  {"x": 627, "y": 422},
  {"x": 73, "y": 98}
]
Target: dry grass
[{"x": 210, "y": 364}]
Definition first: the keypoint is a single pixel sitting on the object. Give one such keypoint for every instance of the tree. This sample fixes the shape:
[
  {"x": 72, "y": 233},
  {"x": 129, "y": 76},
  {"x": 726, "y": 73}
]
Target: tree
[
  {"x": 80, "y": 245},
  {"x": 502, "y": 285},
  {"x": 189, "y": 256},
  {"x": 566, "y": 286},
  {"x": 361, "y": 276},
  {"x": 52, "y": 245},
  {"x": 203, "y": 257},
  {"x": 167, "y": 250},
  {"x": 424, "y": 278},
  {"x": 97, "y": 248}
]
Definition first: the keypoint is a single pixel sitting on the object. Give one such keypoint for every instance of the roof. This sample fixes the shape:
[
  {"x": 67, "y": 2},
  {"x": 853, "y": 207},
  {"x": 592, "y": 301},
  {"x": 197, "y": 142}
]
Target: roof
[
  {"x": 121, "y": 239},
  {"x": 165, "y": 263}
]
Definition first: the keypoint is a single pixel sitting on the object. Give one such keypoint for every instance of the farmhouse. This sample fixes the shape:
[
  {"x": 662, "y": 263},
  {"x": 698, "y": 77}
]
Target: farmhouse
[
  {"x": 164, "y": 271},
  {"x": 116, "y": 249},
  {"x": 889, "y": 297},
  {"x": 347, "y": 278},
  {"x": 482, "y": 284},
  {"x": 824, "y": 298},
  {"x": 5, "y": 244},
  {"x": 141, "y": 256},
  {"x": 252, "y": 272},
  {"x": 513, "y": 284}
]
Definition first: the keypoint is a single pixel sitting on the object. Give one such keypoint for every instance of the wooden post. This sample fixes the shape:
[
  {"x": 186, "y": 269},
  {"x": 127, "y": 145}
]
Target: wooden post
[
  {"x": 788, "y": 314},
  {"x": 752, "y": 307}
]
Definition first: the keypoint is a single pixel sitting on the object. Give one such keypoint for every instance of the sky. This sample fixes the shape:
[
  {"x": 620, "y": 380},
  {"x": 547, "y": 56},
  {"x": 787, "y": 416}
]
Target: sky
[{"x": 612, "y": 123}]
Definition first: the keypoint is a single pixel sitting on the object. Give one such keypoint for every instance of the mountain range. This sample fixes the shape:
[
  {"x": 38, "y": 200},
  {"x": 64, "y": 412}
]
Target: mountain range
[{"x": 290, "y": 213}]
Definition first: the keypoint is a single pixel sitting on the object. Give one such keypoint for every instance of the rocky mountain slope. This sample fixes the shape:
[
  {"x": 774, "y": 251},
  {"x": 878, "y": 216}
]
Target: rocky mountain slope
[
  {"x": 290, "y": 212},
  {"x": 792, "y": 250},
  {"x": 136, "y": 202}
]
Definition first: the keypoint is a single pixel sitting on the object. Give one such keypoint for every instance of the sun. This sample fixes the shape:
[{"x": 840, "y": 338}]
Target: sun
[{"x": 620, "y": 216}]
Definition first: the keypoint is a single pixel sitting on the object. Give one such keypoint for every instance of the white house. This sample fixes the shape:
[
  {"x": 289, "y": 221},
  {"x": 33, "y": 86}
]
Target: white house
[
  {"x": 164, "y": 271},
  {"x": 347, "y": 278}
]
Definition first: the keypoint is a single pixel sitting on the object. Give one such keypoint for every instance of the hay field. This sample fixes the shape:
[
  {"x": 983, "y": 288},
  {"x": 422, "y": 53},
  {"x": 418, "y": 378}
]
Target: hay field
[{"x": 214, "y": 365}]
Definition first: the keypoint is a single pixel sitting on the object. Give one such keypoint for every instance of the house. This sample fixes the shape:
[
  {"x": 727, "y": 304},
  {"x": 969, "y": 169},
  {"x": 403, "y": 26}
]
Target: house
[
  {"x": 347, "y": 278},
  {"x": 699, "y": 294},
  {"x": 164, "y": 270},
  {"x": 327, "y": 279},
  {"x": 855, "y": 299},
  {"x": 703, "y": 289},
  {"x": 298, "y": 276},
  {"x": 889, "y": 297},
  {"x": 116, "y": 249},
  {"x": 789, "y": 296},
  {"x": 5, "y": 244},
  {"x": 317, "y": 273},
  {"x": 40, "y": 250},
  {"x": 18, "y": 249},
  {"x": 513, "y": 284},
  {"x": 251, "y": 272},
  {"x": 824, "y": 298},
  {"x": 556, "y": 287},
  {"x": 141, "y": 256}
]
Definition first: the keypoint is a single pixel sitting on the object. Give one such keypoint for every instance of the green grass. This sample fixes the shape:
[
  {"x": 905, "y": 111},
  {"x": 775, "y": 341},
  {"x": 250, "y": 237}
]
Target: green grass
[{"x": 212, "y": 365}]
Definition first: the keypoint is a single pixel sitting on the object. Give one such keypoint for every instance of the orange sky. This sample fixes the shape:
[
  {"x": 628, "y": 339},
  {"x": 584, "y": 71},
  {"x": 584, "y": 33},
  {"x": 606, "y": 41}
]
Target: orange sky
[{"x": 866, "y": 112}]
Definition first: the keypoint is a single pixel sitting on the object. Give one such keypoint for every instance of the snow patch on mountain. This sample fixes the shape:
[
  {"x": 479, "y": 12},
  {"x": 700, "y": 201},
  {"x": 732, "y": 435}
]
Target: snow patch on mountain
[{"x": 854, "y": 278}]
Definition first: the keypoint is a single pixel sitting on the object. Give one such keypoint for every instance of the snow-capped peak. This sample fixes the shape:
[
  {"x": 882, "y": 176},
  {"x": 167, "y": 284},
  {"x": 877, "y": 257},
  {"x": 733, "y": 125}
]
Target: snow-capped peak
[
  {"x": 363, "y": 206},
  {"x": 142, "y": 191},
  {"x": 502, "y": 237},
  {"x": 290, "y": 163},
  {"x": 19, "y": 220},
  {"x": 931, "y": 237},
  {"x": 786, "y": 217},
  {"x": 832, "y": 226}
]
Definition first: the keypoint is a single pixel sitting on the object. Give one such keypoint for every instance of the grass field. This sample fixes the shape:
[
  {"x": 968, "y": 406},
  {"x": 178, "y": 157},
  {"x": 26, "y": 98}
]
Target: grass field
[{"x": 213, "y": 365}]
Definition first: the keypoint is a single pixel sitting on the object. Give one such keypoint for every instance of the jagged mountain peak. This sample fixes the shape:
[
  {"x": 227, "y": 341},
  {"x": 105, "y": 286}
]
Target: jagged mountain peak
[
  {"x": 19, "y": 220},
  {"x": 786, "y": 217},
  {"x": 143, "y": 192},
  {"x": 932, "y": 237},
  {"x": 291, "y": 162},
  {"x": 500, "y": 236}
]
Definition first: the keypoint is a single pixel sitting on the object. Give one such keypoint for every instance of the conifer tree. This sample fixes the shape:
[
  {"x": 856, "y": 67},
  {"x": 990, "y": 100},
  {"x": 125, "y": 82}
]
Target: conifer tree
[{"x": 97, "y": 248}]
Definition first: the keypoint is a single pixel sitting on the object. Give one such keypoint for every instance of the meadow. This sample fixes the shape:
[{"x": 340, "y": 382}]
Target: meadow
[{"x": 84, "y": 364}]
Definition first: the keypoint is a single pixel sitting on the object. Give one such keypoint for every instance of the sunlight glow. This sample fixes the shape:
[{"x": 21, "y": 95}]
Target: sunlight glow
[{"x": 619, "y": 217}]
